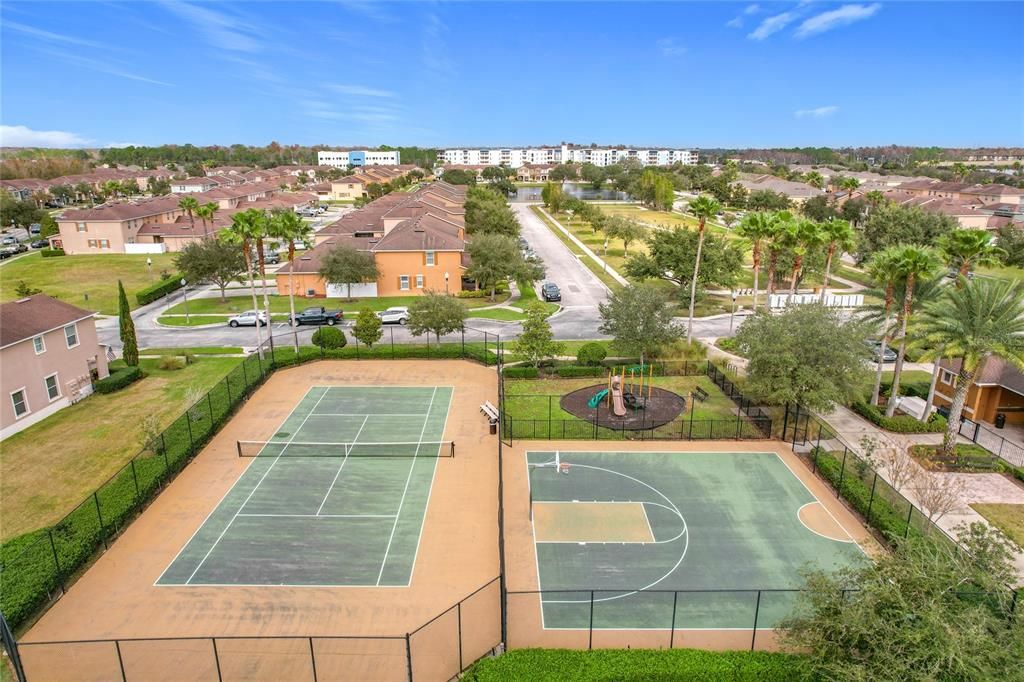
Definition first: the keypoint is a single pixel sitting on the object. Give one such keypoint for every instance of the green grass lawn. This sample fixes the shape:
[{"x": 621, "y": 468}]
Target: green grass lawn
[
  {"x": 855, "y": 275},
  {"x": 194, "y": 320},
  {"x": 502, "y": 314},
  {"x": 1008, "y": 518},
  {"x": 51, "y": 466},
  {"x": 1003, "y": 272},
  {"x": 73, "y": 278},
  {"x": 591, "y": 265},
  {"x": 279, "y": 304},
  {"x": 615, "y": 255}
]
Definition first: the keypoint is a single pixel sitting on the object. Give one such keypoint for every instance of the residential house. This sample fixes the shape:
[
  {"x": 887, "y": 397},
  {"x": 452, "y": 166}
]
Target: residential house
[
  {"x": 50, "y": 356},
  {"x": 796, "y": 192},
  {"x": 999, "y": 389},
  {"x": 191, "y": 185},
  {"x": 533, "y": 172}
]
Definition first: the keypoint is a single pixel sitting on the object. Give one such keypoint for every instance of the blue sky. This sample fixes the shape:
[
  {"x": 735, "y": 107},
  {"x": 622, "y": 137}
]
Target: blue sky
[{"x": 355, "y": 72}]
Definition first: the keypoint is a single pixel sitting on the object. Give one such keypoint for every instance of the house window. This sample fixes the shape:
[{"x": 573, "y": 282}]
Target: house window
[
  {"x": 71, "y": 334},
  {"x": 20, "y": 403},
  {"x": 419, "y": 281},
  {"x": 39, "y": 345},
  {"x": 52, "y": 387},
  {"x": 81, "y": 227},
  {"x": 104, "y": 243},
  {"x": 91, "y": 243},
  {"x": 947, "y": 377},
  {"x": 403, "y": 282},
  {"x": 430, "y": 258}
]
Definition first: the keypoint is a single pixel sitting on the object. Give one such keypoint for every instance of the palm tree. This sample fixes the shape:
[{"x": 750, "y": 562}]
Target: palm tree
[
  {"x": 777, "y": 241},
  {"x": 758, "y": 227},
  {"x": 849, "y": 184},
  {"x": 85, "y": 190},
  {"x": 914, "y": 262},
  {"x": 814, "y": 179},
  {"x": 961, "y": 170},
  {"x": 983, "y": 318},
  {"x": 883, "y": 269},
  {"x": 703, "y": 207},
  {"x": 112, "y": 188},
  {"x": 803, "y": 235},
  {"x": 289, "y": 227},
  {"x": 245, "y": 227},
  {"x": 967, "y": 249},
  {"x": 839, "y": 236},
  {"x": 206, "y": 212},
  {"x": 874, "y": 198},
  {"x": 189, "y": 206}
]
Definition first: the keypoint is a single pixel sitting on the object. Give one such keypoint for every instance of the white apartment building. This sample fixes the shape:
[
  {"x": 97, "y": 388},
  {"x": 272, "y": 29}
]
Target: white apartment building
[
  {"x": 514, "y": 157},
  {"x": 358, "y": 157}
]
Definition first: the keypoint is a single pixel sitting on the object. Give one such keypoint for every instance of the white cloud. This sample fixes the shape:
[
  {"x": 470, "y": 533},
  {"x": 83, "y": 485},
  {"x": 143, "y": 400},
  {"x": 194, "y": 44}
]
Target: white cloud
[
  {"x": 669, "y": 48},
  {"x": 772, "y": 24},
  {"x": 842, "y": 16},
  {"x": 23, "y": 136},
  {"x": 121, "y": 145},
  {"x": 752, "y": 9},
  {"x": 220, "y": 30},
  {"x": 52, "y": 37},
  {"x": 736, "y": 22},
  {"x": 360, "y": 91},
  {"x": 820, "y": 112},
  {"x": 112, "y": 68}
]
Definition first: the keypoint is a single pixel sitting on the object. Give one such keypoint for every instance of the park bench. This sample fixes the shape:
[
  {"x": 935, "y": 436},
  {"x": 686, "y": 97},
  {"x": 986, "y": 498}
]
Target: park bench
[
  {"x": 700, "y": 394},
  {"x": 490, "y": 410}
]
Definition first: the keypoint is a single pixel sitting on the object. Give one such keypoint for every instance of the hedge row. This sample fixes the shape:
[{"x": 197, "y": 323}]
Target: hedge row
[
  {"x": 118, "y": 380},
  {"x": 52, "y": 253},
  {"x": 158, "y": 290},
  {"x": 639, "y": 664},
  {"x": 901, "y": 423}
]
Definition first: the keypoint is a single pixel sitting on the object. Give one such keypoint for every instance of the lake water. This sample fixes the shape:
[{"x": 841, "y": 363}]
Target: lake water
[{"x": 574, "y": 189}]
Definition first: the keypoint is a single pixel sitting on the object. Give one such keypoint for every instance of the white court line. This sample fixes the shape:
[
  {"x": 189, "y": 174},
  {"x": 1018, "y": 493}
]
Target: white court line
[
  {"x": 375, "y": 414},
  {"x": 433, "y": 476},
  {"x": 322, "y": 516},
  {"x": 405, "y": 490},
  {"x": 642, "y": 503},
  {"x": 228, "y": 491},
  {"x": 340, "y": 467},
  {"x": 252, "y": 492},
  {"x": 816, "y": 532}
]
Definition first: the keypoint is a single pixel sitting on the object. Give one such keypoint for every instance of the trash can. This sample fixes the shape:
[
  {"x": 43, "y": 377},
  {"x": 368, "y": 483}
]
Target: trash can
[
  {"x": 494, "y": 426},
  {"x": 1000, "y": 420}
]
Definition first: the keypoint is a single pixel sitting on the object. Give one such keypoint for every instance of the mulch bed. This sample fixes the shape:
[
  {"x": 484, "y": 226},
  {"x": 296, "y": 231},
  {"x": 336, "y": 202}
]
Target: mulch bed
[{"x": 663, "y": 407}]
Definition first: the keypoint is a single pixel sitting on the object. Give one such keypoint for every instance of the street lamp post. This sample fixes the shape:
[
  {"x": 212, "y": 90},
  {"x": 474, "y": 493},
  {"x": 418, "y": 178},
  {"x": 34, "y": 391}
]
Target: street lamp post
[
  {"x": 446, "y": 281},
  {"x": 149, "y": 264},
  {"x": 732, "y": 315},
  {"x": 184, "y": 291}
]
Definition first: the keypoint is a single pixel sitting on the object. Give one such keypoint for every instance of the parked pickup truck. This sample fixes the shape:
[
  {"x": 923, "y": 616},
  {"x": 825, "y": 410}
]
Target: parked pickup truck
[{"x": 317, "y": 315}]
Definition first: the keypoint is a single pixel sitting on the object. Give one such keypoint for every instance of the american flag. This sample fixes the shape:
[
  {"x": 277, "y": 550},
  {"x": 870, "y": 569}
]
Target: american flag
[{"x": 110, "y": 354}]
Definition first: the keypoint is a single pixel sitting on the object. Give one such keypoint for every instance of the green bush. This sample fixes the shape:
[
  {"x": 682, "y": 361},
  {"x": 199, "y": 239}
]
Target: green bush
[
  {"x": 918, "y": 389},
  {"x": 52, "y": 253},
  {"x": 730, "y": 345},
  {"x": 570, "y": 371},
  {"x": 591, "y": 354},
  {"x": 901, "y": 423},
  {"x": 172, "y": 362},
  {"x": 329, "y": 338},
  {"x": 548, "y": 665},
  {"x": 521, "y": 372},
  {"x": 158, "y": 290},
  {"x": 118, "y": 380}
]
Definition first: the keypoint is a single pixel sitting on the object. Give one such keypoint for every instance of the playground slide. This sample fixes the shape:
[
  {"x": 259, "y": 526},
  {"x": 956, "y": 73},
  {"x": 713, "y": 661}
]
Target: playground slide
[
  {"x": 598, "y": 397},
  {"x": 618, "y": 407}
]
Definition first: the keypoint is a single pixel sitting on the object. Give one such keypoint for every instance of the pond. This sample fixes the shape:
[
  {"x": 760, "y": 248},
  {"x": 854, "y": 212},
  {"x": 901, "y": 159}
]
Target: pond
[{"x": 573, "y": 189}]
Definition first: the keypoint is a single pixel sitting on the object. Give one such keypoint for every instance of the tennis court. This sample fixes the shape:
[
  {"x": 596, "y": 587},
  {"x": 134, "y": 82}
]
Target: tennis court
[
  {"x": 337, "y": 496},
  {"x": 664, "y": 540}
]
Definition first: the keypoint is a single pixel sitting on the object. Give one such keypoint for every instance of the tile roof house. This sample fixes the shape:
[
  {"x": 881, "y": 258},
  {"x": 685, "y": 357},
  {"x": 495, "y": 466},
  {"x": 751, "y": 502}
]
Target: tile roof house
[
  {"x": 50, "y": 356},
  {"x": 797, "y": 192},
  {"x": 998, "y": 389},
  {"x": 969, "y": 217}
]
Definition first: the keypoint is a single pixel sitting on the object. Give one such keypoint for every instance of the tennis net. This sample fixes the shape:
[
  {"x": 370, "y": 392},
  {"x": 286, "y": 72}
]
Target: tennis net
[{"x": 264, "y": 448}]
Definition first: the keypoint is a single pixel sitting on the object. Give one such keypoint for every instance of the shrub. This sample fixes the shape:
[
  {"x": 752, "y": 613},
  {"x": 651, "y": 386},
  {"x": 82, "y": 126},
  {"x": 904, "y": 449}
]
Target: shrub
[
  {"x": 570, "y": 371},
  {"x": 901, "y": 423},
  {"x": 158, "y": 290},
  {"x": 729, "y": 345},
  {"x": 521, "y": 372},
  {"x": 118, "y": 380},
  {"x": 591, "y": 354},
  {"x": 52, "y": 253},
  {"x": 171, "y": 362},
  {"x": 329, "y": 338}
]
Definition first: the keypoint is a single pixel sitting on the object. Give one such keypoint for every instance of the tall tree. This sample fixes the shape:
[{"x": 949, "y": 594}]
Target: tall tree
[
  {"x": 967, "y": 249},
  {"x": 639, "y": 318},
  {"x": 189, "y": 205},
  {"x": 206, "y": 212},
  {"x": 757, "y": 228},
  {"x": 287, "y": 226},
  {"x": 973, "y": 323},
  {"x": 245, "y": 227},
  {"x": 213, "y": 261},
  {"x": 536, "y": 343},
  {"x": 345, "y": 265},
  {"x": 892, "y": 225},
  {"x": 814, "y": 179},
  {"x": 495, "y": 257},
  {"x": 552, "y": 196},
  {"x": 801, "y": 236},
  {"x": 883, "y": 268},
  {"x": 130, "y": 352},
  {"x": 437, "y": 313},
  {"x": 913, "y": 263},
  {"x": 703, "y": 207},
  {"x": 840, "y": 237},
  {"x": 617, "y": 227}
]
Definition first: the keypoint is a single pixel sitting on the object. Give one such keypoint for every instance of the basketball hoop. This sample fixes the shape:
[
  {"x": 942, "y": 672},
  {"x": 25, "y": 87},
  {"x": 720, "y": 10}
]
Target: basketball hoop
[{"x": 563, "y": 467}]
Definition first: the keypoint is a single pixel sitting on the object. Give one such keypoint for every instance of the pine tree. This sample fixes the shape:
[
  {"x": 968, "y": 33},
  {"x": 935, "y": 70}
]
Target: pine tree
[{"x": 127, "y": 326}]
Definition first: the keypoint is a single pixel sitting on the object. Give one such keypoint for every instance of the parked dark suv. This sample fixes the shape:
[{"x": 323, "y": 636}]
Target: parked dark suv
[{"x": 549, "y": 292}]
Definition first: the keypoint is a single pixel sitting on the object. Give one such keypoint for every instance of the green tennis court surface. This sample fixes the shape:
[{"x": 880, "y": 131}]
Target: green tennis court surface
[
  {"x": 344, "y": 506},
  {"x": 724, "y": 525}
]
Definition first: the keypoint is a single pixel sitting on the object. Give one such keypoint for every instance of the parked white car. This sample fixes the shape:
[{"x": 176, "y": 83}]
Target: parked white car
[
  {"x": 248, "y": 319},
  {"x": 399, "y": 314}
]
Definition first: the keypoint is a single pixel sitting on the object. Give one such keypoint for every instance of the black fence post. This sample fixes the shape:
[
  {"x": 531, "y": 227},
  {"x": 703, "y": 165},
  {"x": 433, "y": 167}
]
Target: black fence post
[
  {"x": 408, "y": 655},
  {"x": 120, "y": 660},
  {"x": 590, "y": 642},
  {"x": 462, "y": 354},
  {"x": 842, "y": 469},
  {"x": 191, "y": 442},
  {"x": 216, "y": 658},
  {"x": 871, "y": 500},
  {"x": 245, "y": 376},
  {"x": 163, "y": 449},
  {"x": 672, "y": 635},
  {"x": 209, "y": 403},
  {"x": 391, "y": 331},
  {"x": 227, "y": 385},
  {"x": 757, "y": 610},
  {"x": 99, "y": 517},
  {"x": 910, "y": 515},
  {"x": 785, "y": 422},
  {"x": 458, "y": 613},
  {"x": 135, "y": 477},
  {"x": 56, "y": 561},
  {"x": 312, "y": 658}
]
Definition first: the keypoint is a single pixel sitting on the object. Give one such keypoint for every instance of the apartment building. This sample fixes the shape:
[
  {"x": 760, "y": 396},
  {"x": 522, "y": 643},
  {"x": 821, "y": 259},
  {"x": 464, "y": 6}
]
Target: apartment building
[
  {"x": 417, "y": 240},
  {"x": 358, "y": 157},
  {"x": 50, "y": 354},
  {"x": 515, "y": 157}
]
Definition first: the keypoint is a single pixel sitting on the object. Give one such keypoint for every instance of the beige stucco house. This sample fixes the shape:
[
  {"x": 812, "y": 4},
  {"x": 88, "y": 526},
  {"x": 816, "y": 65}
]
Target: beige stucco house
[{"x": 49, "y": 357}]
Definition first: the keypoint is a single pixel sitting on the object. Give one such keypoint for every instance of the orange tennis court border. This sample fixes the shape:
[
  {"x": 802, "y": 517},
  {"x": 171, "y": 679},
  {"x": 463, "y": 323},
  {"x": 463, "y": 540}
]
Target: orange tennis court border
[
  {"x": 525, "y": 628},
  {"x": 335, "y": 632}
]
